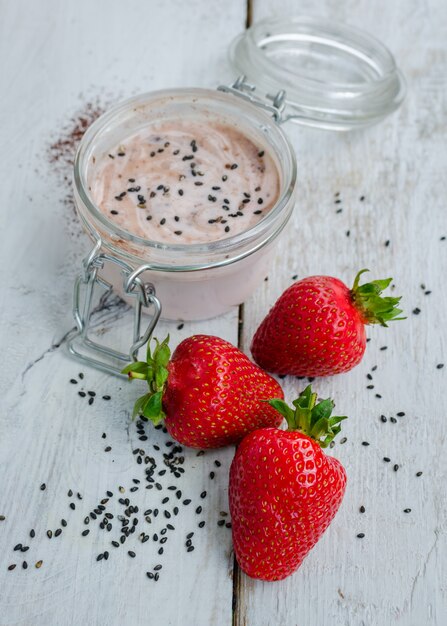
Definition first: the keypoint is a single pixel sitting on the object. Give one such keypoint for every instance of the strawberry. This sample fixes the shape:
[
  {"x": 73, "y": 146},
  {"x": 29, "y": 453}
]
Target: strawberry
[
  {"x": 317, "y": 326},
  {"x": 284, "y": 491},
  {"x": 209, "y": 393}
]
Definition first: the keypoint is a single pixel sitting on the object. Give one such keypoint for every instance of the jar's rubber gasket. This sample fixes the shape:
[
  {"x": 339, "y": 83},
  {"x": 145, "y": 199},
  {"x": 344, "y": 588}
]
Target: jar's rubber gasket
[{"x": 335, "y": 76}]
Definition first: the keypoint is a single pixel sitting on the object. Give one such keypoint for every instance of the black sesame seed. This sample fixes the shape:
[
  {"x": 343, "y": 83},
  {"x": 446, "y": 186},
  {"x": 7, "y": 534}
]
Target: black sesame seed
[
  {"x": 17, "y": 547},
  {"x": 11, "y": 567},
  {"x": 386, "y": 459},
  {"x": 82, "y": 394},
  {"x": 395, "y": 467},
  {"x": 49, "y": 534},
  {"x": 132, "y": 554},
  {"x": 407, "y": 510},
  {"x": 85, "y": 532},
  {"x": 440, "y": 366},
  {"x": 25, "y": 565},
  {"x": 365, "y": 443},
  {"x": 108, "y": 449},
  {"x": 58, "y": 532},
  {"x": 361, "y": 535},
  {"x": 43, "y": 487},
  {"x": 63, "y": 523},
  {"x": 362, "y": 509}
]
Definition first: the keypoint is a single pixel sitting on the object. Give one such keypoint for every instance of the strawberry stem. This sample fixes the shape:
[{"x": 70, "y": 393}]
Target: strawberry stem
[
  {"x": 154, "y": 371},
  {"x": 309, "y": 417},
  {"x": 368, "y": 300}
]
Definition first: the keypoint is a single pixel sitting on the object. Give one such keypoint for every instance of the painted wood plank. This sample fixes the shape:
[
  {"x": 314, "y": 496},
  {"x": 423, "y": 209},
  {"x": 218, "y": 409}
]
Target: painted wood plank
[
  {"x": 396, "y": 573},
  {"x": 57, "y": 57}
]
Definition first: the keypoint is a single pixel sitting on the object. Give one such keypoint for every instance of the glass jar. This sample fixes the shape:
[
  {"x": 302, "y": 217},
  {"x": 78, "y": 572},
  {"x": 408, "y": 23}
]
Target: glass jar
[
  {"x": 192, "y": 281},
  {"x": 324, "y": 74}
]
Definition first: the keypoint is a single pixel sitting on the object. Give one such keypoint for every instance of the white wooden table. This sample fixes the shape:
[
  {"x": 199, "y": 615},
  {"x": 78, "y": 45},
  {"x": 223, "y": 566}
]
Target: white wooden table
[{"x": 55, "y": 57}]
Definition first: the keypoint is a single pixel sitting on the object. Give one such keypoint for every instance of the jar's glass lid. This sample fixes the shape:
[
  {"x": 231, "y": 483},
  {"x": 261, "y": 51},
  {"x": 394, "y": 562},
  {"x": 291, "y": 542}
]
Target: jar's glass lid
[{"x": 335, "y": 76}]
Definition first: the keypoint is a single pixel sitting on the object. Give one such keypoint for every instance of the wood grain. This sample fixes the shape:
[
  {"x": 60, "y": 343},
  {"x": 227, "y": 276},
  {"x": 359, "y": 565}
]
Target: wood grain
[
  {"x": 59, "y": 56},
  {"x": 397, "y": 573}
]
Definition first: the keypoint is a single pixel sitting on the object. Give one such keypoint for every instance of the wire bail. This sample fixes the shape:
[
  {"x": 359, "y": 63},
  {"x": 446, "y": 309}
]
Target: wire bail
[
  {"x": 89, "y": 351},
  {"x": 242, "y": 89}
]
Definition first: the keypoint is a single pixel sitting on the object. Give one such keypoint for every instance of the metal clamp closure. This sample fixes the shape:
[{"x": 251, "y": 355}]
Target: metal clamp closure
[
  {"x": 79, "y": 343},
  {"x": 242, "y": 89}
]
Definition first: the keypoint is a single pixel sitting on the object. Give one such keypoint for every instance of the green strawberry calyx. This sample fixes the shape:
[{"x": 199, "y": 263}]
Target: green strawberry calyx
[
  {"x": 368, "y": 300},
  {"x": 154, "y": 371},
  {"x": 309, "y": 417}
]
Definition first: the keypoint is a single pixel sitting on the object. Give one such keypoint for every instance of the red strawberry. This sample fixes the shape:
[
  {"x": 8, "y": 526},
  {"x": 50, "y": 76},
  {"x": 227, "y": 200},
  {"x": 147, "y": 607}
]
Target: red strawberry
[
  {"x": 209, "y": 394},
  {"x": 317, "y": 326},
  {"x": 284, "y": 491}
]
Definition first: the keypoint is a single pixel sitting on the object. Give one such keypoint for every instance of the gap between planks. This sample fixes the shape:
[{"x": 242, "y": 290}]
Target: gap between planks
[{"x": 240, "y": 337}]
